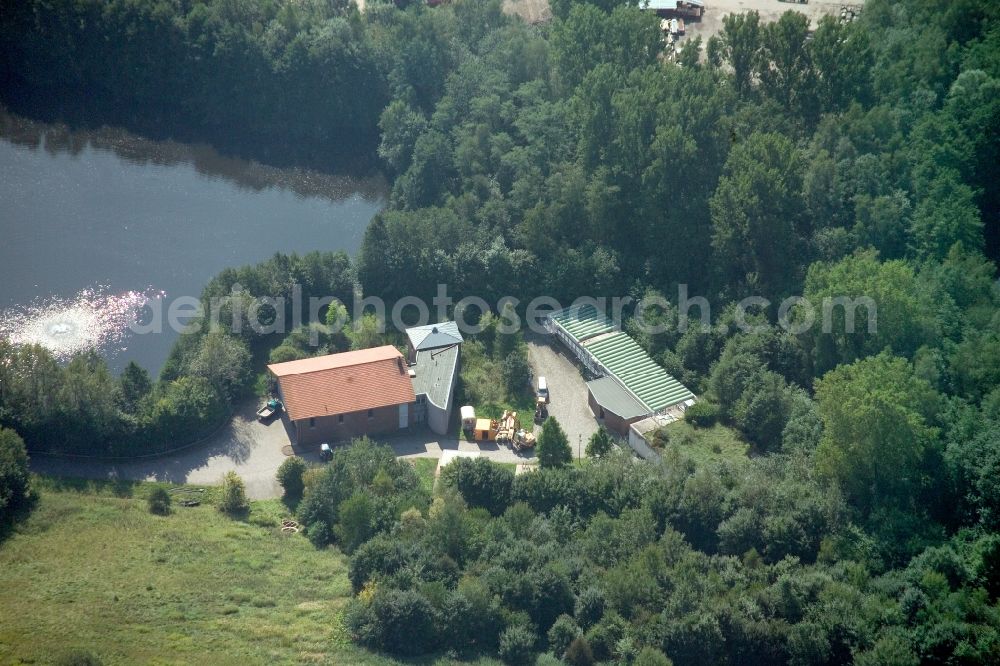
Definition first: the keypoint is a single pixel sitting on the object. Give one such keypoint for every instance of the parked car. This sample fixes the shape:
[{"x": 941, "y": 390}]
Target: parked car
[
  {"x": 543, "y": 389},
  {"x": 325, "y": 452}
]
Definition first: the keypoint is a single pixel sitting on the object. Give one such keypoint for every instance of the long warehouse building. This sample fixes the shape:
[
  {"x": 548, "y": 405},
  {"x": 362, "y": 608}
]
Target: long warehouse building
[{"x": 630, "y": 385}]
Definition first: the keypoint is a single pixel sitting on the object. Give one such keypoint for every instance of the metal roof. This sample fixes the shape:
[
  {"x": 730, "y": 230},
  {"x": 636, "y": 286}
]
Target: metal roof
[
  {"x": 435, "y": 371},
  {"x": 631, "y": 365},
  {"x": 582, "y": 322},
  {"x": 433, "y": 336},
  {"x": 610, "y": 395}
]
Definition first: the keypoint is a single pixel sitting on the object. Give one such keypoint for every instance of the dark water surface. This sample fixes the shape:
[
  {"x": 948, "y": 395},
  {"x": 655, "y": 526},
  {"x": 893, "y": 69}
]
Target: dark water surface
[{"x": 93, "y": 222}]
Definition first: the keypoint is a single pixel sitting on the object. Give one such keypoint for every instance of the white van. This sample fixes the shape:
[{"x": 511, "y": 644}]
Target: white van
[{"x": 543, "y": 389}]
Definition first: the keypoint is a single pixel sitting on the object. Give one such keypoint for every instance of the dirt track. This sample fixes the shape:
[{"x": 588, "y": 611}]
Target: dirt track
[
  {"x": 769, "y": 10},
  {"x": 532, "y": 11},
  {"x": 536, "y": 11}
]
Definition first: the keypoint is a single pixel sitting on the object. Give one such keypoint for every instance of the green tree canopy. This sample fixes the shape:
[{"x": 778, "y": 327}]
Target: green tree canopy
[
  {"x": 878, "y": 430},
  {"x": 553, "y": 447},
  {"x": 757, "y": 221}
]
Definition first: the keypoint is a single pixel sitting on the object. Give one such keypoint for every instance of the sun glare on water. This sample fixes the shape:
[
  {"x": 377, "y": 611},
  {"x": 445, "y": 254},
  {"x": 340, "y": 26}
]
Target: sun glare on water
[{"x": 93, "y": 319}]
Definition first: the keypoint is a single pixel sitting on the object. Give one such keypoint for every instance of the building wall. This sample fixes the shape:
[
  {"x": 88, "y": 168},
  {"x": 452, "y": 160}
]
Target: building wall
[
  {"x": 641, "y": 446},
  {"x": 385, "y": 420},
  {"x": 611, "y": 420}
]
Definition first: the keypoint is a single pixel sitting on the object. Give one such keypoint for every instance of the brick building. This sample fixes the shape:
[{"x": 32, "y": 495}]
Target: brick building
[{"x": 340, "y": 396}]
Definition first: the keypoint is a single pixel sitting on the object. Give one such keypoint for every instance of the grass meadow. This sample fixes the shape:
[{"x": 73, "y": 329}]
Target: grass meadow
[{"x": 90, "y": 569}]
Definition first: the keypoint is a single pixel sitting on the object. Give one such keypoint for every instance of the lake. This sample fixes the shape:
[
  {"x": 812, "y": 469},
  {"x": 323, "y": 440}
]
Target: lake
[{"x": 95, "y": 224}]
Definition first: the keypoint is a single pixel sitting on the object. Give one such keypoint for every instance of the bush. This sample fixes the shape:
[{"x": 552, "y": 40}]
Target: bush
[
  {"x": 600, "y": 443},
  {"x": 14, "y": 480},
  {"x": 78, "y": 658},
  {"x": 516, "y": 645},
  {"x": 233, "y": 496},
  {"x": 159, "y": 502},
  {"x": 481, "y": 482},
  {"x": 579, "y": 652},
  {"x": 561, "y": 634},
  {"x": 651, "y": 657},
  {"x": 589, "y": 607},
  {"x": 356, "y": 523},
  {"x": 403, "y": 622},
  {"x": 290, "y": 476},
  {"x": 516, "y": 371},
  {"x": 702, "y": 414}
]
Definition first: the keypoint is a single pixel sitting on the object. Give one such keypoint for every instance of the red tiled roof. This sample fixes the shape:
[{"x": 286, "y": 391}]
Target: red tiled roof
[{"x": 343, "y": 383}]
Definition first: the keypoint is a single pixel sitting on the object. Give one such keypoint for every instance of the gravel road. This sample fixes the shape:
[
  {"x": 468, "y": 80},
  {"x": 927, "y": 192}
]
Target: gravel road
[{"x": 567, "y": 389}]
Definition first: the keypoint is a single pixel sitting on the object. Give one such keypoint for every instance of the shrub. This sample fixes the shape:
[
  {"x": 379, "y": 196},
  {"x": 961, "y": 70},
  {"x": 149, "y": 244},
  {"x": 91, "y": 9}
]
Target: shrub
[
  {"x": 516, "y": 370},
  {"x": 516, "y": 644},
  {"x": 78, "y": 658},
  {"x": 233, "y": 496},
  {"x": 702, "y": 414},
  {"x": 481, "y": 482},
  {"x": 290, "y": 476},
  {"x": 159, "y": 502},
  {"x": 14, "y": 479},
  {"x": 579, "y": 652},
  {"x": 562, "y": 633},
  {"x": 356, "y": 521},
  {"x": 650, "y": 656},
  {"x": 379, "y": 557},
  {"x": 404, "y": 622},
  {"x": 600, "y": 443},
  {"x": 589, "y": 607}
]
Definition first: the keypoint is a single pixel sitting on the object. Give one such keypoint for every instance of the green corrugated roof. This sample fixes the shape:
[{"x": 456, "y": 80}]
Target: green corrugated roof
[
  {"x": 626, "y": 360},
  {"x": 583, "y": 322}
]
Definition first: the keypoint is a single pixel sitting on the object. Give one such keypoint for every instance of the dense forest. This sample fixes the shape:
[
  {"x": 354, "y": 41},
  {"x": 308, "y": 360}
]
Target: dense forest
[{"x": 571, "y": 159}]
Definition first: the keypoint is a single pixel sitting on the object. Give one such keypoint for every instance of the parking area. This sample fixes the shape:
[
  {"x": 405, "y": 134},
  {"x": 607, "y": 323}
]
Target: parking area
[
  {"x": 252, "y": 449},
  {"x": 567, "y": 389}
]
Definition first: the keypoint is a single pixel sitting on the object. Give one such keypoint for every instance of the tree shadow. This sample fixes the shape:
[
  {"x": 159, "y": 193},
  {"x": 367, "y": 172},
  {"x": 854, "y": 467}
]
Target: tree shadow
[
  {"x": 10, "y": 520},
  {"x": 291, "y": 502}
]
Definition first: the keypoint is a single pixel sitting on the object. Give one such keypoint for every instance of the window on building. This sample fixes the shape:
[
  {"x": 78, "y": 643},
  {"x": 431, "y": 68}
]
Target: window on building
[
  {"x": 312, "y": 422},
  {"x": 340, "y": 418},
  {"x": 371, "y": 413}
]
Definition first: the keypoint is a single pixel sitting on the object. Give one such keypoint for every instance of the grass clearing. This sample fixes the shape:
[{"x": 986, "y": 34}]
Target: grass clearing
[
  {"x": 425, "y": 468},
  {"x": 91, "y": 569},
  {"x": 715, "y": 444}
]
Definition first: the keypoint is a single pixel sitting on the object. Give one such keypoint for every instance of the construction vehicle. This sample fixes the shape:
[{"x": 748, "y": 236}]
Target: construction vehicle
[
  {"x": 541, "y": 410},
  {"x": 523, "y": 440}
]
